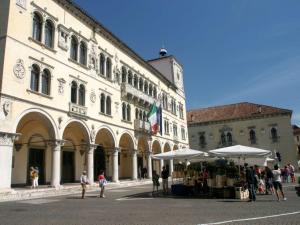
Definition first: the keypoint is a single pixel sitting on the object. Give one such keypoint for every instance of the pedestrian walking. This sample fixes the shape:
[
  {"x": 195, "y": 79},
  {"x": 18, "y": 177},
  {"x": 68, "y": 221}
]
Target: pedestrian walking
[
  {"x": 269, "y": 180},
  {"x": 292, "y": 172},
  {"x": 165, "y": 177},
  {"x": 277, "y": 182},
  {"x": 83, "y": 181},
  {"x": 32, "y": 175},
  {"x": 251, "y": 181},
  {"x": 155, "y": 180},
  {"x": 102, "y": 183},
  {"x": 36, "y": 180}
]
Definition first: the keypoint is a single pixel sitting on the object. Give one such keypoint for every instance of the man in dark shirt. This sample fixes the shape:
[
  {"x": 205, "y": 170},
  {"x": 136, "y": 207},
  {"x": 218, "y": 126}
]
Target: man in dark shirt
[
  {"x": 165, "y": 176},
  {"x": 250, "y": 178}
]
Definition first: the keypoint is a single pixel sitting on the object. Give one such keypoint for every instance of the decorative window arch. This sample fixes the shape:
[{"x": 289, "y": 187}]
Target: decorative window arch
[
  {"x": 150, "y": 90},
  {"x": 46, "y": 79},
  {"x": 202, "y": 140},
  {"x": 136, "y": 113},
  {"x": 252, "y": 136},
  {"x": 124, "y": 74},
  {"x": 74, "y": 48},
  {"x": 229, "y": 138},
  {"x": 49, "y": 34},
  {"x": 83, "y": 53},
  {"x": 35, "y": 78},
  {"x": 274, "y": 134},
  {"x": 102, "y": 63},
  {"x": 130, "y": 77},
  {"x": 223, "y": 139},
  {"x": 108, "y": 68},
  {"x": 108, "y": 105},
  {"x": 128, "y": 113},
  {"x": 37, "y": 27},
  {"x": 154, "y": 92},
  {"x": 146, "y": 87},
  {"x": 81, "y": 97},
  {"x": 135, "y": 81},
  {"x": 123, "y": 111},
  {"x": 74, "y": 88},
  {"x": 141, "y": 84},
  {"x": 102, "y": 103},
  {"x": 141, "y": 115}
]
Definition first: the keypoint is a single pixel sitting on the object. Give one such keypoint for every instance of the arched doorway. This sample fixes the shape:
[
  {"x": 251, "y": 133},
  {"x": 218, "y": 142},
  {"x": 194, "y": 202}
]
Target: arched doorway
[
  {"x": 143, "y": 148},
  {"x": 74, "y": 157},
  {"x": 175, "y": 147},
  {"x": 156, "y": 149},
  {"x": 126, "y": 146},
  {"x": 103, "y": 156},
  {"x": 32, "y": 149}
]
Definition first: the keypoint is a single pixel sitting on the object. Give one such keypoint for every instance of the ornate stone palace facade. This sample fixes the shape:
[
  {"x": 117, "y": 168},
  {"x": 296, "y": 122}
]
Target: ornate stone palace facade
[
  {"x": 74, "y": 97},
  {"x": 246, "y": 124}
]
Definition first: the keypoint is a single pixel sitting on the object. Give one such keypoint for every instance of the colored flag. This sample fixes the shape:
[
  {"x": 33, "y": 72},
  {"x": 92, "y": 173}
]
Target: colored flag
[{"x": 153, "y": 118}]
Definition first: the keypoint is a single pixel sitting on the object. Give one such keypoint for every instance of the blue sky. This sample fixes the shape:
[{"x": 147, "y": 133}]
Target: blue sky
[{"x": 232, "y": 51}]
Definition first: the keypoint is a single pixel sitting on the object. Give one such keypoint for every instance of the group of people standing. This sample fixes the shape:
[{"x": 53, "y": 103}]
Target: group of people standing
[
  {"x": 264, "y": 181},
  {"x": 85, "y": 181},
  {"x": 164, "y": 176}
]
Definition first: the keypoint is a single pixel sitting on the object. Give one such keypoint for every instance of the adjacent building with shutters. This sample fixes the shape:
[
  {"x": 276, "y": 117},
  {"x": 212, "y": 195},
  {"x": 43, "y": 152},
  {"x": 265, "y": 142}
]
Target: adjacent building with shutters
[{"x": 243, "y": 123}]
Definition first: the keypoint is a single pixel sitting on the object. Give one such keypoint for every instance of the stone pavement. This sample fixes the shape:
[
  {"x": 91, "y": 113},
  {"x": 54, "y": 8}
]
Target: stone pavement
[{"x": 16, "y": 194}]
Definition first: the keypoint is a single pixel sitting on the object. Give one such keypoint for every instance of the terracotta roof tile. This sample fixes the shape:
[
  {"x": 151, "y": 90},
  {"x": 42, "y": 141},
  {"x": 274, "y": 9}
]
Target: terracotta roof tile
[{"x": 231, "y": 112}]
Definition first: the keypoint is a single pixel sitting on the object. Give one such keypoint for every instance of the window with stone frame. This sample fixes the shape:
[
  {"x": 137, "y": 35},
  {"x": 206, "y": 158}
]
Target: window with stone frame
[
  {"x": 46, "y": 79},
  {"x": 74, "y": 48},
  {"x": 74, "y": 88},
  {"x": 108, "y": 68},
  {"x": 108, "y": 105},
  {"x": 274, "y": 134},
  {"x": 202, "y": 140},
  {"x": 83, "y": 53},
  {"x": 102, "y": 103},
  {"x": 35, "y": 78},
  {"x": 252, "y": 136},
  {"x": 37, "y": 27},
  {"x": 81, "y": 95},
  {"x": 49, "y": 34}
]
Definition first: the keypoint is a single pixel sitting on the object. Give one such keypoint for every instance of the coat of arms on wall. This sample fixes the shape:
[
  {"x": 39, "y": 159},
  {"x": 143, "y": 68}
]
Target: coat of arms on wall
[{"x": 19, "y": 69}]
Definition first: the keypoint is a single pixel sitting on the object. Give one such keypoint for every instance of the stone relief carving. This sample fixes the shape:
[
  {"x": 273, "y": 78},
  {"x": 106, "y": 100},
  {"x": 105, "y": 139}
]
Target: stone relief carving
[
  {"x": 63, "y": 39},
  {"x": 93, "y": 134},
  {"x": 19, "y": 69},
  {"x": 6, "y": 107},
  {"x": 21, "y": 3},
  {"x": 8, "y": 138},
  {"x": 61, "y": 85},
  {"x": 93, "y": 96},
  {"x": 93, "y": 61}
]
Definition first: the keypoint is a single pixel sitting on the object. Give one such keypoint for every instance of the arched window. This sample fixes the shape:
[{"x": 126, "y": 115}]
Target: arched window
[
  {"x": 108, "y": 105},
  {"x": 229, "y": 138},
  {"x": 252, "y": 136},
  {"x": 35, "y": 78},
  {"x": 108, "y": 68},
  {"x": 141, "y": 84},
  {"x": 146, "y": 87},
  {"x": 123, "y": 111},
  {"x": 202, "y": 140},
  {"x": 154, "y": 92},
  {"x": 136, "y": 113},
  {"x": 37, "y": 27},
  {"x": 46, "y": 82},
  {"x": 124, "y": 74},
  {"x": 83, "y": 53},
  {"x": 135, "y": 81},
  {"x": 74, "y": 48},
  {"x": 128, "y": 113},
  {"x": 130, "y": 77},
  {"x": 102, "y": 103},
  {"x": 102, "y": 63},
  {"x": 150, "y": 90},
  {"x": 49, "y": 34},
  {"x": 81, "y": 99},
  {"x": 74, "y": 92},
  {"x": 223, "y": 139},
  {"x": 274, "y": 134},
  {"x": 141, "y": 115},
  {"x": 144, "y": 116}
]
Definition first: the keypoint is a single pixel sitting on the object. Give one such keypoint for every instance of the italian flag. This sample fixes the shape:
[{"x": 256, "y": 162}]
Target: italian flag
[{"x": 152, "y": 116}]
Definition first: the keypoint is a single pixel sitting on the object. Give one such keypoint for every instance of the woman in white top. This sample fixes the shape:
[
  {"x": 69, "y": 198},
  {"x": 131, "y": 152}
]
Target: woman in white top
[{"x": 277, "y": 182}]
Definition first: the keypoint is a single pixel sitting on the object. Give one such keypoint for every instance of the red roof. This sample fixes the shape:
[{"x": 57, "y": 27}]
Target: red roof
[{"x": 232, "y": 112}]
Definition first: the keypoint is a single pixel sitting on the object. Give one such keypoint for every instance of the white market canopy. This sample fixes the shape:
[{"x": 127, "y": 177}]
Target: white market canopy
[
  {"x": 183, "y": 154},
  {"x": 240, "y": 151},
  {"x": 260, "y": 161}
]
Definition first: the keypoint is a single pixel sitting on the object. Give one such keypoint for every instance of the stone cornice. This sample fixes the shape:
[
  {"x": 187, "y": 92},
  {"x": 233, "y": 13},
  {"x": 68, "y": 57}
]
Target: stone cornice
[{"x": 7, "y": 139}]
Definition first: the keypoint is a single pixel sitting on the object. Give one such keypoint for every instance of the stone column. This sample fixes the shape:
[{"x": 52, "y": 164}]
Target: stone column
[
  {"x": 90, "y": 162},
  {"x": 161, "y": 165},
  {"x": 56, "y": 162},
  {"x": 6, "y": 153},
  {"x": 149, "y": 164},
  {"x": 171, "y": 167},
  {"x": 115, "y": 155},
  {"x": 134, "y": 165}
]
